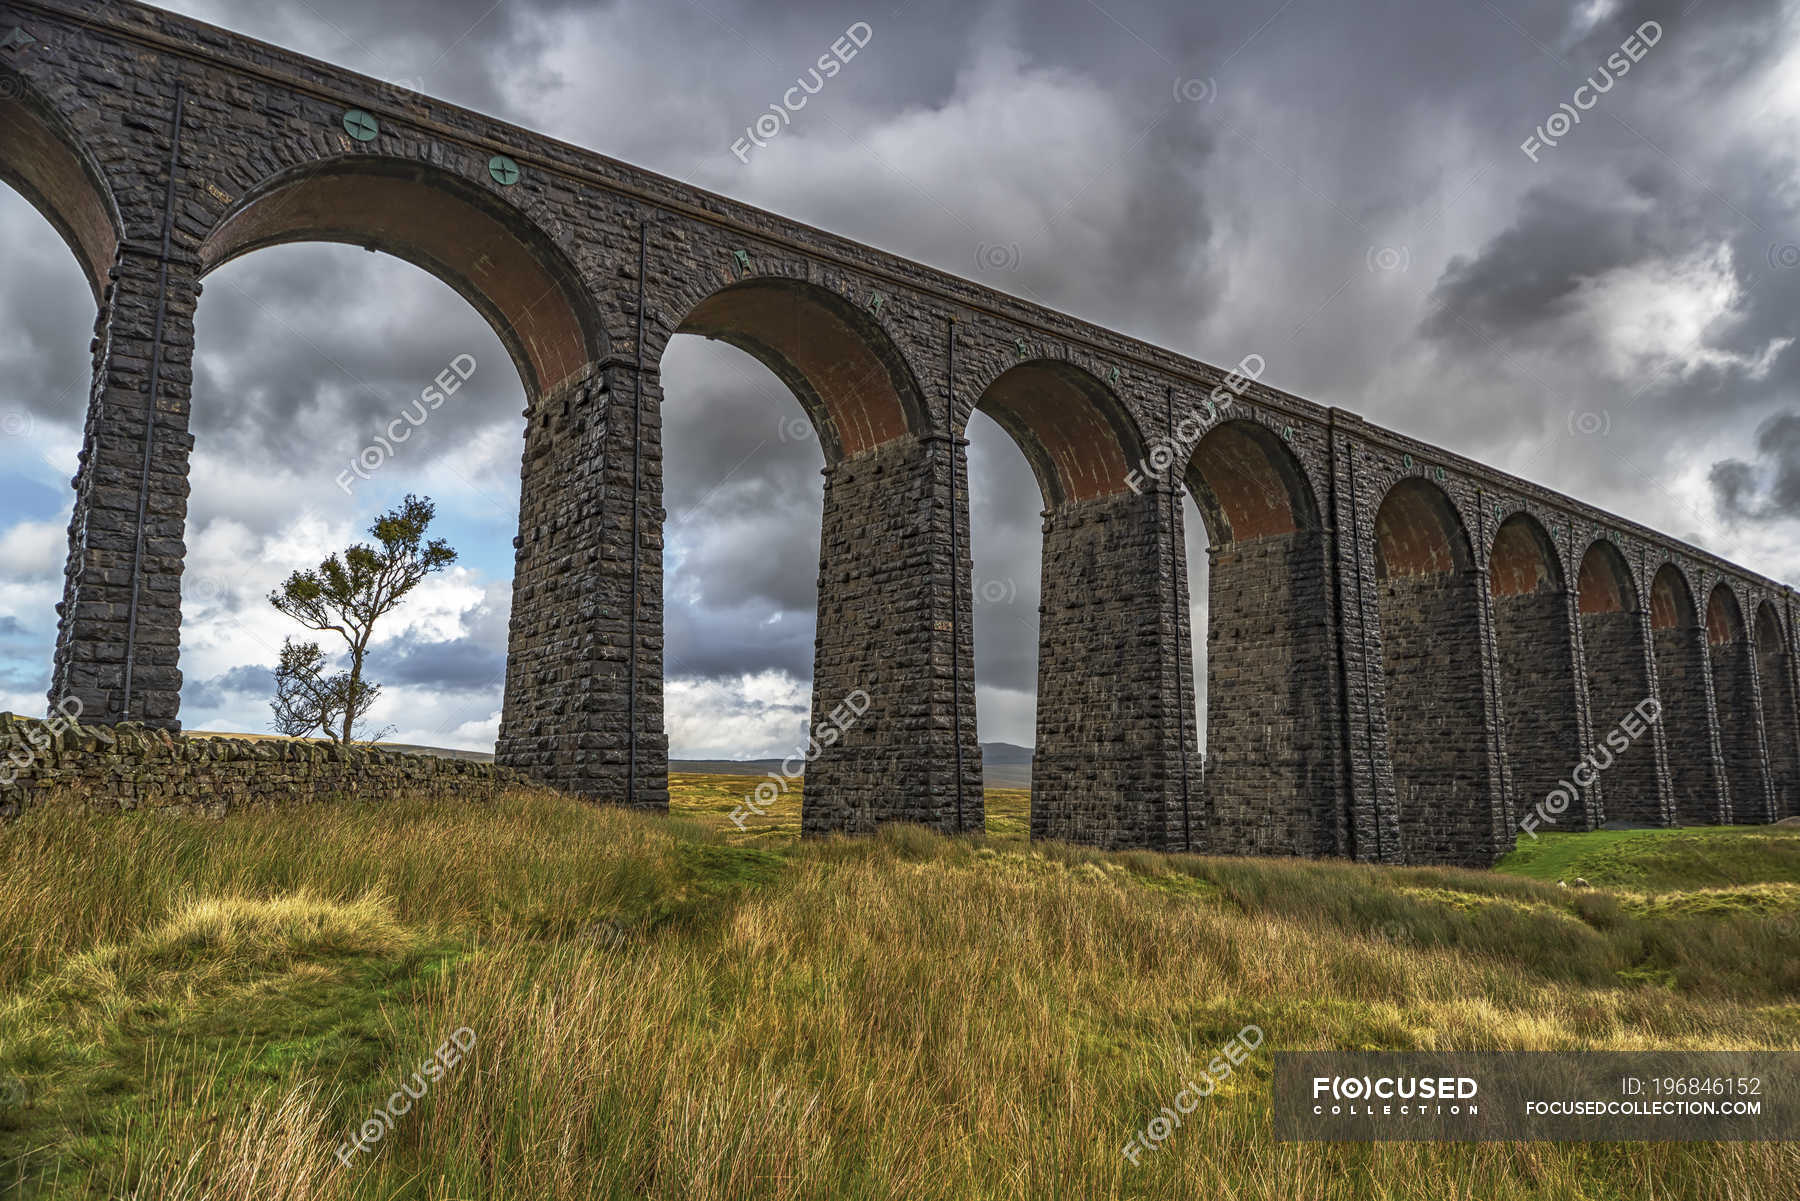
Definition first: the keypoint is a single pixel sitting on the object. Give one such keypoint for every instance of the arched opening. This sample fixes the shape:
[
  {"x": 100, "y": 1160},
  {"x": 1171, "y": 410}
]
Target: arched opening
[
  {"x": 413, "y": 388},
  {"x": 460, "y": 232},
  {"x": 1774, "y": 671},
  {"x": 836, "y": 359},
  {"x": 1103, "y": 705},
  {"x": 1005, "y": 543},
  {"x": 1534, "y": 639},
  {"x": 40, "y": 159},
  {"x": 1617, "y": 651},
  {"x": 1734, "y": 700},
  {"x": 1273, "y": 763},
  {"x": 1438, "y": 698},
  {"x": 874, "y": 667},
  {"x": 1687, "y": 717},
  {"x": 329, "y": 384},
  {"x": 54, "y": 203},
  {"x": 43, "y": 159}
]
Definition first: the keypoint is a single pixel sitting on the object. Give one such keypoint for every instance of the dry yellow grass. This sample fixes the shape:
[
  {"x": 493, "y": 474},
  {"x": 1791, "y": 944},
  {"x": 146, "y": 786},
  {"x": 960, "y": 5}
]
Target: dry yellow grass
[{"x": 665, "y": 1009}]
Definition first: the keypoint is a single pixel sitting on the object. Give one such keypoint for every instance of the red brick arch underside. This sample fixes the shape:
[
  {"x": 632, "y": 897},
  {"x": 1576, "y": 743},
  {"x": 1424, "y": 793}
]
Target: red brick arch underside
[
  {"x": 1671, "y": 600},
  {"x": 1418, "y": 532},
  {"x": 1524, "y": 559},
  {"x": 490, "y": 253},
  {"x": 1770, "y": 639},
  {"x": 838, "y": 361},
  {"x": 1724, "y": 617},
  {"x": 1075, "y": 433},
  {"x": 41, "y": 159},
  {"x": 1248, "y": 484},
  {"x": 1605, "y": 584}
]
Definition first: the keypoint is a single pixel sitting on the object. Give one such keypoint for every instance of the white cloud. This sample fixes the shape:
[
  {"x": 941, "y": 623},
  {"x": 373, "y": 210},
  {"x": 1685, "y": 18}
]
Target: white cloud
[{"x": 1667, "y": 315}]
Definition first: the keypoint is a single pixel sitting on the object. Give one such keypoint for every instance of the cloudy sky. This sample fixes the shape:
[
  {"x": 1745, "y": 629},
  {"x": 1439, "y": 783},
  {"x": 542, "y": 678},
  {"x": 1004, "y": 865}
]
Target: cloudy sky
[{"x": 1337, "y": 186}]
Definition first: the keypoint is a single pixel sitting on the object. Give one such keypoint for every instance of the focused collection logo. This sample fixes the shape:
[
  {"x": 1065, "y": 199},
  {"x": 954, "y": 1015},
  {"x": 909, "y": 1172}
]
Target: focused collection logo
[{"x": 1394, "y": 1096}]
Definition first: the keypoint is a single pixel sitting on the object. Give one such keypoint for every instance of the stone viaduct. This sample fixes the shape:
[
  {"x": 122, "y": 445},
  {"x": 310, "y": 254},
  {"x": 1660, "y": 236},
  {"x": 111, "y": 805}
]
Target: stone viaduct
[{"x": 1408, "y": 650}]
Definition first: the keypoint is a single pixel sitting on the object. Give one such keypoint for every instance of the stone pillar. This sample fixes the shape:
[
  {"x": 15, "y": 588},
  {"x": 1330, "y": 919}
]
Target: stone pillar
[
  {"x": 1352, "y": 500},
  {"x": 1735, "y": 697},
  {"x": 1618, "y": 652},
  {"x": 1108, "y": 760},
  {"x": 889, "y": 640},
  {"x": 1274, "y": 744},
  {"x": 569, "y": 707},
  {"x": 1775, "y": 677},
  {"x": 1444, "y": 718},
  {"x": 1544, "y": 699},
  {"x": 1189, "y": 808},
  {"x": 122, "y": 586},
  {"x": 1690, "y": 726}
]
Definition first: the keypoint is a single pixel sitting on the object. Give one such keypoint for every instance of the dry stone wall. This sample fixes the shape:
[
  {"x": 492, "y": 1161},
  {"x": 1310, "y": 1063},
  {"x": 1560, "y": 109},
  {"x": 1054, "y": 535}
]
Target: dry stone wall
[{"x": 131, "y": 766}]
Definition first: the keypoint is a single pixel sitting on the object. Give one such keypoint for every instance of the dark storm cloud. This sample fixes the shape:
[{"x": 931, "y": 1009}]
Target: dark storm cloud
[
  {"x": 469, "y": 51},
  {"x": 229, "y": 688},
  {"x": 1769, "y": 489},
  {"x": 1728, "y": 38},
  {"x": 48, "y": 315},
  {"x": 306, "y": 353},
  {"x": 457, "y": 665},
  {"x": 723, "y": 644},
  {"x": 1525, "y": 279}
]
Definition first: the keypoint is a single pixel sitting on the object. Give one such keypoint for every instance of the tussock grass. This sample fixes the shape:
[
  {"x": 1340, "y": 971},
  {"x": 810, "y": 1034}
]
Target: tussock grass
[{"x": 671, "y": 1008}]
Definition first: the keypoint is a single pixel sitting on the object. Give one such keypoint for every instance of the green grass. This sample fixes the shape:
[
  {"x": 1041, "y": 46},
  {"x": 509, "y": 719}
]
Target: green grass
[
  {"x": 677, "y": 1008},
  {"x": 1705, "y": 856}
]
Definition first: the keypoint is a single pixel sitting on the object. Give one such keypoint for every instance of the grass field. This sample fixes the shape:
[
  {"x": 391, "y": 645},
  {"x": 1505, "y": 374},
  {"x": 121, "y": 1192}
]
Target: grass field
[{"x": 674, "y": 1008}]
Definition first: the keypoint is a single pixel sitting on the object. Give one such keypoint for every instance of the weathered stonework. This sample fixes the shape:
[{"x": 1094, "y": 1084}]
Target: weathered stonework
[
  {"x": 1273, "y": 779},
  {"x": 1544, "y": 700},
  {"x": 886, "y": 631},
  {"x": 1373, "y": 692},
  {"x": 133, "y": 766},
  {"x": 1101, "y": 718},
  {"x": 1436, "y": 701},
  {"x": 1684, "y": 679},
  {"x": 1775, "y": 675}
]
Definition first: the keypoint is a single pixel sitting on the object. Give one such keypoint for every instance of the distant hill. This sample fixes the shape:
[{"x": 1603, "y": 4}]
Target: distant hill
[{"x": 1003, "y": 765}]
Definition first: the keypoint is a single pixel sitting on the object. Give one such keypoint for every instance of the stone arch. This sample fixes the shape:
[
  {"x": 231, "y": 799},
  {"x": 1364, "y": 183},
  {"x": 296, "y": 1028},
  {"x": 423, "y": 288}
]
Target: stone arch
[
  {"x": 1774, "y": 672},
  {"x": 877, "y": 635},
  {"x": 45, "y": 160},
  {"x": 840, "y": 362},
  {"x": 1075, "y": 431},
  {"x": 1418, "y": 532},
  {"x": 1101, "y": 691},
  {"x": 1605, "y": 584},
  {"x": 1679, "y": 641},
  {"x": 1542, "y": 696},
  {"x": 1437, "y": 693},
  {"x": 1735, "y": 701},
  {"x": 490, "y": 252},
  {"x": 48, "y": 160},
  {"x": 1672, "y": 600},
  {"x": 1523, "y": 559},
  {"x": 1615, "y": 644},
  {"x": 1249, "y": 484},
  {"x": 1273, "y": 742},
  {"x": 1724, "y": 617}
]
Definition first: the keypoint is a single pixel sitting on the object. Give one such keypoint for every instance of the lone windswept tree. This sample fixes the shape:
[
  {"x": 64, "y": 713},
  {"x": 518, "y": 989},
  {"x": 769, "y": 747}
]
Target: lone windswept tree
[
  {"x": 346, "y": 595},
  {"x": 308, "y": 701}
]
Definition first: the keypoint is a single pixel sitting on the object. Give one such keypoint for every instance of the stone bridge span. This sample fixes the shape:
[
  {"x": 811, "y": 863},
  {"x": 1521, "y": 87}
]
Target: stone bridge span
[{"x": 1408, "y": 650}]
